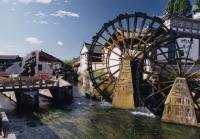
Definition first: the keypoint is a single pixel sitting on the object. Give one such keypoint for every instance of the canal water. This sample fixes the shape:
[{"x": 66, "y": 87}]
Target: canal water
[{"x": 86, "y": 119}]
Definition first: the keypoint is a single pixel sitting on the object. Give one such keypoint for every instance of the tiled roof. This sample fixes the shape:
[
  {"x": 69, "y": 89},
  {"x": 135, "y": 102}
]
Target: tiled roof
[
  {"x": 45, "y": 57},
  {"x": 97, "y": 48},
  {"x": 10, "y": 58},
  {"x": 174, "y": 16}
]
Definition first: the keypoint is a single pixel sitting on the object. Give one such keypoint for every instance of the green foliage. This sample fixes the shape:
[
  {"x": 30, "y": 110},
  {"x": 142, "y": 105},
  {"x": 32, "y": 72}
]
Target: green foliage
[
  {"x": 185, "y": 7},
  {"x": 196, "y": 7},
  {"x": 170, "y": 7},
  {"x": 98, "y": 74},
  {"x": 67, "y": 66},
  {"x": 198, "y": 3},
  {"x": 179, "y": 7},
  {"x": 176, "y": 9},
  {"x": 85, "y": 75}
]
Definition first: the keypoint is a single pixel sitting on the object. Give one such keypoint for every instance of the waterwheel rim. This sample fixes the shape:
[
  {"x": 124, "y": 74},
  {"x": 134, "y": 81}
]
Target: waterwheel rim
[{"x": 127, "y": 36}]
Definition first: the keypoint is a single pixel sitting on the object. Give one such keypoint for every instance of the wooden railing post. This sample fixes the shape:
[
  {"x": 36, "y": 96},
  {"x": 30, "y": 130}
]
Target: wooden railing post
[
  {"x": 40, "y": 82},
  {"x": 20, "y": 82},
  {"x": 28, "y": 82},
  {"x": 58, "y": 84},
  {"x": 13, "y": 83},
  {"x": 46, "y": 83}
]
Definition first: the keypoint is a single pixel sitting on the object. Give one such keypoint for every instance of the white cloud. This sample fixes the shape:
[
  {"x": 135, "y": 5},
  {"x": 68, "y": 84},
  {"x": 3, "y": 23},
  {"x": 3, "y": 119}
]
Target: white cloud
[
  {"x": 12, "y": 9},
  {"x": 66, "y": 1},
  {"x": 62, "y": 14},
  {"x": 60, "y": 43},
  {"x": 33, "y": 40},
  {"x": 37, "y": 1},
  {"x": 40, "y": 22},
  {"x": 56, "y": 23},
  {"x": 27, "y": 13},
  {"x": 25, "y": 1},
  {"x": 14, "y": 3},
  {"x": 4, "y": 1},
  {"x": 44, "y": 1},
  {"x": 40, "y": 14},
  {"x": 43, "y": 22}
]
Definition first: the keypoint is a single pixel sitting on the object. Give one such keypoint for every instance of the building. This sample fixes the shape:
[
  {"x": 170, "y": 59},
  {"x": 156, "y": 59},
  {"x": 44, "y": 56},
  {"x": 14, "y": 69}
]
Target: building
[
  {"x": 189, "y": 27},
  {"x": 44, "y": 63},
  {"x": 182, "y": 24},
  {"x": 196, "y": 12},
  {"x": 8, "y": 60},
  {"x": 98, "y": 56},
  {"x": 97, "y": 63}
]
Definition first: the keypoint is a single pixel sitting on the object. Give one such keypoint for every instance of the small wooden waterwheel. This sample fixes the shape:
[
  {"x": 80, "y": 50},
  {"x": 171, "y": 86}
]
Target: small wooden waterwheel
[{"x": 170, "y": 83}]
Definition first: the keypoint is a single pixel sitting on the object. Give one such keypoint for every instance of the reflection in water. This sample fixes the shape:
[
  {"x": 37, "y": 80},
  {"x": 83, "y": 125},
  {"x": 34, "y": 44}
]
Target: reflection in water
[{"x": 85, "y": 119}]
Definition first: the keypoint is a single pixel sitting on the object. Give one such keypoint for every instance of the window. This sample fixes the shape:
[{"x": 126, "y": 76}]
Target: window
[{"x": 40, "y": 67}]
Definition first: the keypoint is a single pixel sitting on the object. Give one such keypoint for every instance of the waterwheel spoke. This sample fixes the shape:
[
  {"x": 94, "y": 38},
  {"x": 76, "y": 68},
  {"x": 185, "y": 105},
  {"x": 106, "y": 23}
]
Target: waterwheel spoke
[
  {"x": 100, "y": 75},
  {"x": 166, "y": 58},
  {"x": 133, "y": 31},
  {"x": 127, "y": 27},
  {"x": 114, "y": 28},
  {"x": 155, "y": 36},
  {"x": 158, "y": 92},
  {"x": 178, "y": 62},
  {"x": 190, "y": 69},
  {"x": 188, "y": 52},
  {"x": 111, "y": 37},
  {"x": 114, "y": 59},
  {"x": 162, "y": 101},
  {"x": 142, "y": 26},
  {"x": 171, "y": 51},
  {"x": 108, "y": 78},
  {"x": 108, "y": 85},
  {"x": 107, "y": 47},
  {"x": 162, "y": 67},
  {"x": 135, "y": 25},
  {"x": 149, "y": 28},
  {"x": 107, "y": 41},
  {"x": 122, "y": 33},
  {"x": 105, "y": 68}
]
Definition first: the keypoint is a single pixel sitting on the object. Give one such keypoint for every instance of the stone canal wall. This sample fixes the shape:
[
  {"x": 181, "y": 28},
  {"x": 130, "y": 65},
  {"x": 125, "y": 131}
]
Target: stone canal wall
[
  {"x": 10, "y": 95},
  {"x": 7, "y": 132}
]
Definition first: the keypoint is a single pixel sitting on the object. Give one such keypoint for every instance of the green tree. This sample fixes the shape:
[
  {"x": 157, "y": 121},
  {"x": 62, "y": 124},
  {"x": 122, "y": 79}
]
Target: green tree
[
  {"x": 179, "y": 7},
  {"x": 67, "y": 66},
  {"x": 198, "y": 3},
  {"x": 196, "y": 7},
  {"x": 182, "y": 7},
  {"x": 176, "y": 8},
  {"x": 170, "y": 7}
]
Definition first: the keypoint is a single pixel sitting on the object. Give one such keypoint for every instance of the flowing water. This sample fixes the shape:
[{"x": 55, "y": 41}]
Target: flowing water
[{"x": 86, "y": 119}]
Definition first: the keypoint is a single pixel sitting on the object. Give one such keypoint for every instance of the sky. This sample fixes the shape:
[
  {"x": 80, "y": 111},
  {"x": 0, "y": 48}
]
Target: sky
[{"x": 60, "y": 27}]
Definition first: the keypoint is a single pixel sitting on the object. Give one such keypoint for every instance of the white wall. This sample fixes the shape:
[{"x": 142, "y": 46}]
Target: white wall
[
  {"x": 83, "y": 63},
  {"x": 114, "y": 62},
  {"x": 196, "y": 15},
  {"x": 46, "y": 67},
  {"x": 185, "y": 43}
]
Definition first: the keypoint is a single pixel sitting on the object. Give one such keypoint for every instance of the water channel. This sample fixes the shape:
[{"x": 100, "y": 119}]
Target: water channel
[{"x": 86, "y": 119}]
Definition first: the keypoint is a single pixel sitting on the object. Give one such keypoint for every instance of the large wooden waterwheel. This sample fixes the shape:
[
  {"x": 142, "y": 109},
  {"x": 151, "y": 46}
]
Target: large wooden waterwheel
[
  {"x": 170, "y": 83},
  {"x": 116, "y": 50}
]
